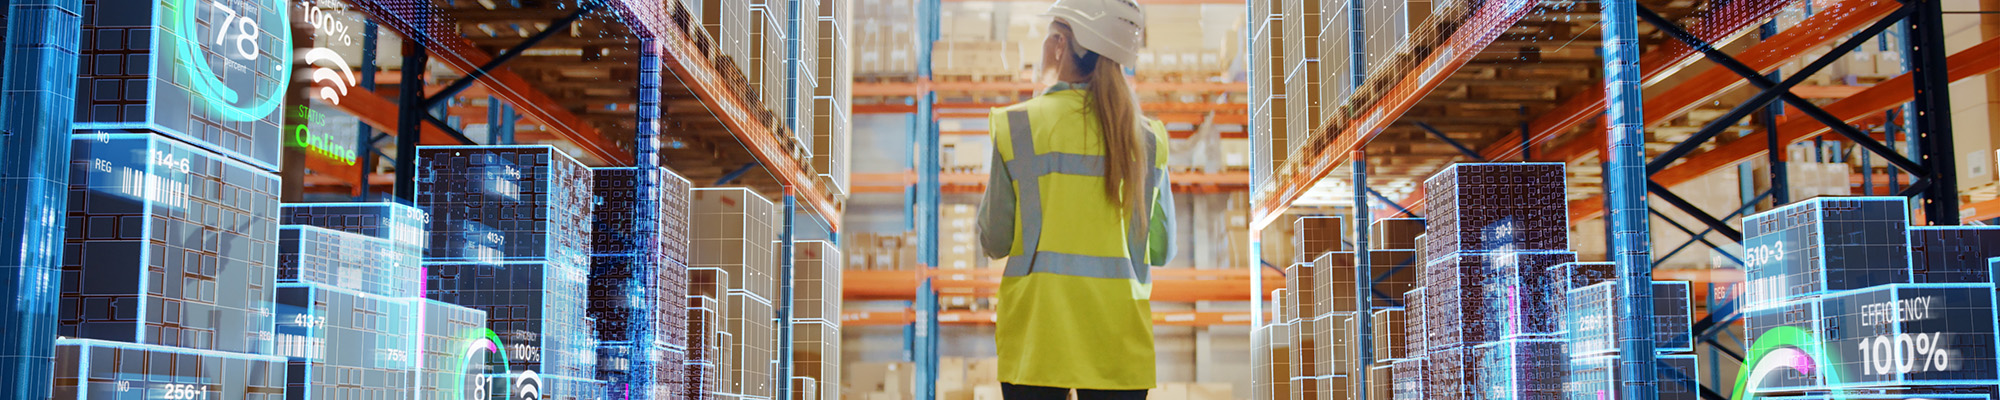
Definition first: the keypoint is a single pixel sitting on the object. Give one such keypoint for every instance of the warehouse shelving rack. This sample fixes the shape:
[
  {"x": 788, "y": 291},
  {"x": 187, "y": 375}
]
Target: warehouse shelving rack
[
  {"x": 668, "y": 62},
  {"x": 1911, "y": 104}
]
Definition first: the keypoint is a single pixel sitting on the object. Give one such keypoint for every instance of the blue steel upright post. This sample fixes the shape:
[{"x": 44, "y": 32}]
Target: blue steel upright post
[
  {"x": 786, "y": 261},
  {"x": 1364, "y": 280},
  {"x": 1625, "y": 200},
  {"x": 40, "y": 77},
  {"x": 646, "y": 224},
  {"x": 928, "y": 199}
]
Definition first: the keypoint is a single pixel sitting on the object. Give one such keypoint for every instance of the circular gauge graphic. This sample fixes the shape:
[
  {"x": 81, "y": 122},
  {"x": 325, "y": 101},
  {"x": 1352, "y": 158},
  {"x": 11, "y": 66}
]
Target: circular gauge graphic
[
  {"x": 234, "y": 54},
  {"x": 484, "y": 360},
  {"x": 1783, "y": 350}
]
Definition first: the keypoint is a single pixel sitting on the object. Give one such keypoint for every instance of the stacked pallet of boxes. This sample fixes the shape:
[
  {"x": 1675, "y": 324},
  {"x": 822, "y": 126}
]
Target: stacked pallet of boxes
[
  {"x": 880, "y": 381},
  {"x": 733, "y": 232},
  {"x": 1336, "y": 54},
  {"x": 872, "y": 252},
  {"x": 527, "y": 268},
  {"x": 1388, "y": 24},
  {"x": 350, "y": 307},
  {"x": 708, "y": 342},
  {"x": 1831, "y": 277},
  {"x": 1394, "y": 267},
  {"x": 959, "y": 243},
  {"x": 1492, "y": 230},
  {"x": 1312, "y": 316},
  {"x": 967, "y": 48},
  {"x": 728, "y": 23},
  {"x": 449, "y": 334},
  {"x": 1272, "y": 377},
  {"x": 802, "y": 85},
  {"x": 1590, "y": 330},
  {"x": 1267, "y": 90},
  {"x": 1301, "y": 70},
  {"x": 885, "y": 38},
  {"x": 638, "y": 281},
  {"x": 171, "y": 189},
  {"x": 766, "y": 68},
  {"x": 958, "y": 249},
  {"x": 816, "y": 321},
  {"x": 1191, "y": 50},
  {"x": 832, "y": 94}
]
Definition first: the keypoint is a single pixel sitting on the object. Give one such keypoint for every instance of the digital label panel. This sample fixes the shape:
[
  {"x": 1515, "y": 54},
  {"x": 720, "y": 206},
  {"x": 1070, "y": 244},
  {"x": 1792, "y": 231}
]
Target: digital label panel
[{"x": 1911, "y": 334}]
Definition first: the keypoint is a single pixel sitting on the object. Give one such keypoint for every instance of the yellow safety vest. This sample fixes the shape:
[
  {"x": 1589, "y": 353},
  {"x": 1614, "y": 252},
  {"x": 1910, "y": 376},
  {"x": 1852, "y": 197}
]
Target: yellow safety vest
[{"x": 1074, "y": 308}]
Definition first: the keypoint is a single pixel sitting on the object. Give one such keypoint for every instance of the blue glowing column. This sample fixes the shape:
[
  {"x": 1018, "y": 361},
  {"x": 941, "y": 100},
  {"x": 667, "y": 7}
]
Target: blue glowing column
[
  {"x": 1625, "y": 199},
  {"x": 1364, "y": 279},
  {"x": 39, "y": 78}
]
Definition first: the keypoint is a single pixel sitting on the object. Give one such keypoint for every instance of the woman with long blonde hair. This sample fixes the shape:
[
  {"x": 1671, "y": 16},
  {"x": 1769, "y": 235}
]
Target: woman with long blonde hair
[{"x": 1079, "y": 205}]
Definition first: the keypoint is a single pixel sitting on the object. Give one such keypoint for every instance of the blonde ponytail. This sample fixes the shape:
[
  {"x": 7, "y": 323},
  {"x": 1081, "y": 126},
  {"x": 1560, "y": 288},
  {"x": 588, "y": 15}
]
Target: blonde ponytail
[{"x": 1118, "y": 122}]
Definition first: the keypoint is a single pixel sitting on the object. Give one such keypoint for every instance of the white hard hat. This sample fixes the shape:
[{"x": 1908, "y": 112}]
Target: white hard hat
[{"x": 1111, "y": 28}]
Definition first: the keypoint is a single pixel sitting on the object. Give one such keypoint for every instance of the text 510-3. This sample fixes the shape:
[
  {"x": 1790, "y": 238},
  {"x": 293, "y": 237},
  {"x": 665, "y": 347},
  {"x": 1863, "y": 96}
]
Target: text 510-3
[{"x": 1764, "y": 254}]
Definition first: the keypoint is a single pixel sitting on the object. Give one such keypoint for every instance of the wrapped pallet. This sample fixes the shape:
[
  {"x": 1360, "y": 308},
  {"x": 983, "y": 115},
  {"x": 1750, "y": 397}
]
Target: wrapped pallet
[
  {"x": 733, "y": 231},
  {"x": 728, "y": 23},
  {"x": 831, "y": 95},
  {"x": 816, "y": 321},
  {"x": 1301, "y": 70}
]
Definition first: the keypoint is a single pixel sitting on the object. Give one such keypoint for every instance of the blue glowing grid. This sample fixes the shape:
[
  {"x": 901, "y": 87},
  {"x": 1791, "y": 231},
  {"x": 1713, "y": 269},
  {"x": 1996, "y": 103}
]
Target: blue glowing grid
[
  {"x": 168, "y": 244},
  {"x": 450, "y": 352},
  {"x": 1518, "y": 369},
  {"x": 342, "y": 343},
  {"x": 99, "y": 369},
  {"x": 1957, "y": 319},
  {"x": 537, "y": 310},
  {"x": 1825, "y": 244},
  {"x": 135, "y": 74},
  {"x": 402, "y": 225},
  {"x": 1952, "y": 254},
  {"x": 1519, "y": 204},
  {"x": 309, "y": 254},
  {"x": 505, "y": 203},
  {"x": 638, "y": 277}
]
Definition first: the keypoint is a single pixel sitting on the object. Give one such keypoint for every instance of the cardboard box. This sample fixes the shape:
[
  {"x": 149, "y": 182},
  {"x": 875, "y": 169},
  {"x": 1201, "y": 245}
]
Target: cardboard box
[
  {"x": 1212, "y": 391},
  {"x": 990, "y": 391},
  {"x": 983, "y": 371},
  {"x": 1169, "y": 391}
]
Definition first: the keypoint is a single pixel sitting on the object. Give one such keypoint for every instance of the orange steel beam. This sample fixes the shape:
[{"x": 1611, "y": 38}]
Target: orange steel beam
[
  {"x": 691, "y": 68},
  {"x": 1816, "y": 30},
  {"x": 975, "y": 182},
  {"x": 1981, "y": 211},
  {"x": 962, "y": 317},
  {"x": 1977, "y": 60},
  {"x": 439, "y": 35},
  {"x": 1145, "y": 2},
  {"x": 1221, "y": 108},
  {"x": 875, "y": 89},
  {"x": 1328, "y": 149},
  {"x": 1827, "y": 92},
  {"x": 1821, "y": 27},
  {"x": 1846, "y": 16},
  {"x": 376, "y": 111},
  {"x": 1173, "y": 134},
  {"x": 1169, "y": 284}
]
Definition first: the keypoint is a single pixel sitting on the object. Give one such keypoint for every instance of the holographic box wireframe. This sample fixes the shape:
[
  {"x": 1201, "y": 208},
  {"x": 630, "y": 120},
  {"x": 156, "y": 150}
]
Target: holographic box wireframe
[{"x": 508, "y": 238}]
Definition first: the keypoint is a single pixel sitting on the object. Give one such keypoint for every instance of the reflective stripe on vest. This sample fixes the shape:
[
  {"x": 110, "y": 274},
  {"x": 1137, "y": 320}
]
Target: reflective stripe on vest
[{"x": 1028, "y": 167}]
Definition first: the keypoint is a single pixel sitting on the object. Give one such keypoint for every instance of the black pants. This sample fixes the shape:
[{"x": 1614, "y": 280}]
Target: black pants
[{"x": 1009, "y": 391}]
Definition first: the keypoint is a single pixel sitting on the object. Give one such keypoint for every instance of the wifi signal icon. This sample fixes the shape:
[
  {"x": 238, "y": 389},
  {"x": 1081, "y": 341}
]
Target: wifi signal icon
[{"x": 330, "y": 71}]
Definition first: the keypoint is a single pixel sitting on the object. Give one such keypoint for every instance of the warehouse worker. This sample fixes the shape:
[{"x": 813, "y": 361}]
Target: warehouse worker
[{"x": 1079, "y": 204}]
